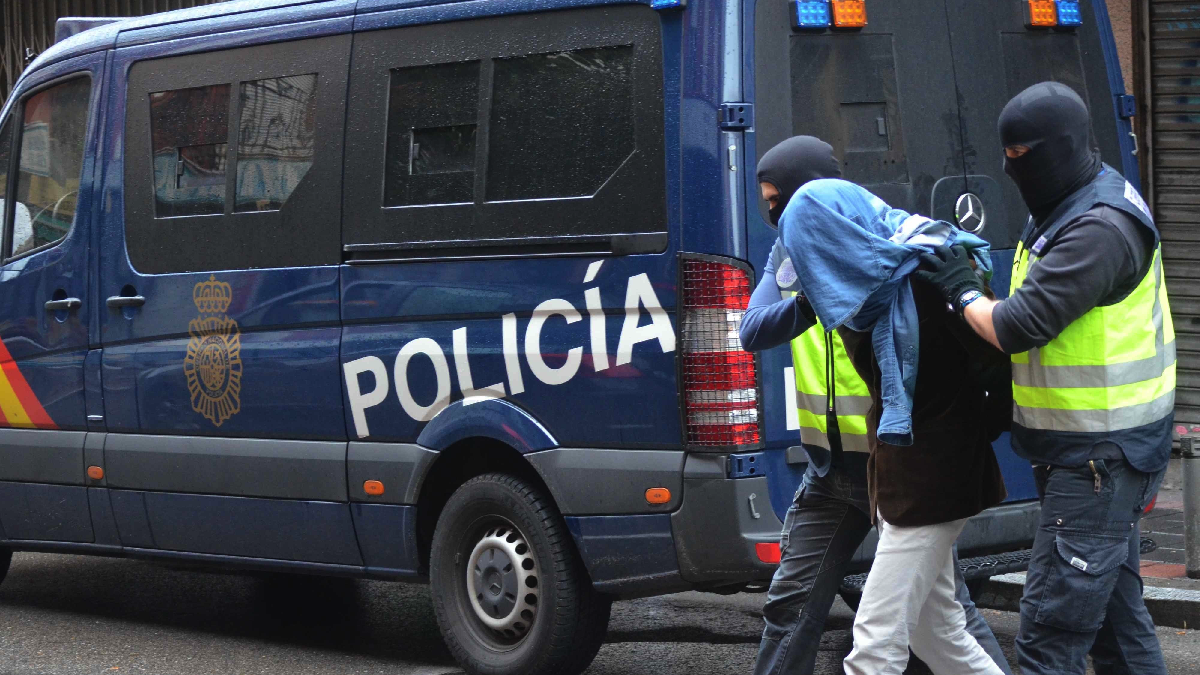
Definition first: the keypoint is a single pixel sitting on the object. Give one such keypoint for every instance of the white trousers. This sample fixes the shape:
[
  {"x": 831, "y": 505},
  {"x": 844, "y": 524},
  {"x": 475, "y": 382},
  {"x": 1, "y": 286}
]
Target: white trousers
[{"x": 909, "y": 602}]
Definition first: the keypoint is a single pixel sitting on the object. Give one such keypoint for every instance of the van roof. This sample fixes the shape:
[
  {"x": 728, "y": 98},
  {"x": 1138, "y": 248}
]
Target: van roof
[{"x": 190, "y": 22}]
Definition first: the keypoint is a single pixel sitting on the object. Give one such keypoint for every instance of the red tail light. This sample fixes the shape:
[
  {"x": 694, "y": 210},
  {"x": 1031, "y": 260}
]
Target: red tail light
[{"x": 720, "y": 381}]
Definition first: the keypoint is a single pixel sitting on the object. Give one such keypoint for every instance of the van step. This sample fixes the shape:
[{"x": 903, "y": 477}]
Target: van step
[
  {"x": 972, "y": 568},
  {"x": 983, "y": 567}
]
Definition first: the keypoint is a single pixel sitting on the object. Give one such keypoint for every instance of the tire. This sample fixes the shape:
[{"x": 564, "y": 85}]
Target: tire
[
  {"x": 499, "y": 534},
  {"x": 5, "y": 562},
  {"x": 975, "y": 587}
]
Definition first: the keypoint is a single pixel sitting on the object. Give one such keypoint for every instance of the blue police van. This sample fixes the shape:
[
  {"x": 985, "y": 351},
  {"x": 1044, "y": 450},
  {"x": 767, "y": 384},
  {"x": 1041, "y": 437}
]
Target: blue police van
[{"x": 449, "y": 290}]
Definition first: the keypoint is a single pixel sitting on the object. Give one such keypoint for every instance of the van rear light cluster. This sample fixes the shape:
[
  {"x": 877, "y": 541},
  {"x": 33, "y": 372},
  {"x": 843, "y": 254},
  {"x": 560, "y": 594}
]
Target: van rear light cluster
[{"x": 720, "y": 380}]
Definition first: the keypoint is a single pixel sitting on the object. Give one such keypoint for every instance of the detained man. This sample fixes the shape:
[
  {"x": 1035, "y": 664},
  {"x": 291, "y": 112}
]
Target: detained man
[{"x": 832, "y": 510}]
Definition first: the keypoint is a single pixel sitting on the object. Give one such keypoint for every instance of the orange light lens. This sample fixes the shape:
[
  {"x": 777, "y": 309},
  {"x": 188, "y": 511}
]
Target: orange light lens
[
  {"x": 658, "y": 496},
  {"x": 95, "y": 472},
  {"x": 768, "y": 553},
  {"x": 849, "y": 13},
  {"x": 373, "y": 488},
  {"x": 1043, "y": 13}
]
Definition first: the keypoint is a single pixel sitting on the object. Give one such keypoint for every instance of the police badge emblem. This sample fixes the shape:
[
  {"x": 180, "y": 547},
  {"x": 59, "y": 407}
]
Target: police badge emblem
[{"x": 213, "y": 364}]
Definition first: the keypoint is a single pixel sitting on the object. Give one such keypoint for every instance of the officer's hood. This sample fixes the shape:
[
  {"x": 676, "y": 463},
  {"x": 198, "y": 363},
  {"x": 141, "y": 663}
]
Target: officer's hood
[
  {"x": 793, "y": 163},
  {"x": 1053, "y": 122}
]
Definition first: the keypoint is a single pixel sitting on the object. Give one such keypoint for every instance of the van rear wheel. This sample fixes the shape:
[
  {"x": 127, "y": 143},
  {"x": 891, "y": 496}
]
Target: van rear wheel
[{"x": 510, "y": 593}]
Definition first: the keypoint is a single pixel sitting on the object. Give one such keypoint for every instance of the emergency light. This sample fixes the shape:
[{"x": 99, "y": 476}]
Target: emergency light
[
  {"x": 667, "y": 4},
  {"x": 821, "y": 14},
  {"x": 1052, "y": 13}
]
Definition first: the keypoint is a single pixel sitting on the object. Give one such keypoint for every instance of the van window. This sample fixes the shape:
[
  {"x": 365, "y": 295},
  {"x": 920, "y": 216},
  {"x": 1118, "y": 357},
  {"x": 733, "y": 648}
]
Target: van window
[
  {"x": 49, "y": 164},
  {"x": 500, "y": 132},
  {"x": 275, "y": 140},
  {"x": 561, "y": 123},
  {"x": 190, "y": 128},
  {"x": 431, "y": 134},
  {"x": 247, "y": 157},
  {"x": 5, "y": 159}
]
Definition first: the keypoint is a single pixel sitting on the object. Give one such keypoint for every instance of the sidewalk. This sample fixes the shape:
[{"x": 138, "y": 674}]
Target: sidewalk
[{"x": 1173, "y": 599}]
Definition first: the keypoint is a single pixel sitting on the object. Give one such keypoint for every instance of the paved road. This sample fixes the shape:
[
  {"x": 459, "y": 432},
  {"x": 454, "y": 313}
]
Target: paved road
[{"x": 64, "y": 615}]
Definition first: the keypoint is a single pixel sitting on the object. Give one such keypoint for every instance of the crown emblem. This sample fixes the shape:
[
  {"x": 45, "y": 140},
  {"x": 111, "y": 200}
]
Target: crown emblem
[{"x": 212, "y": 296}]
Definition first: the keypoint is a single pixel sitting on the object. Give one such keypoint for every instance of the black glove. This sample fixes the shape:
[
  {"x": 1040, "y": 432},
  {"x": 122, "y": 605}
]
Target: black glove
[{"x": 949, "y": 270}]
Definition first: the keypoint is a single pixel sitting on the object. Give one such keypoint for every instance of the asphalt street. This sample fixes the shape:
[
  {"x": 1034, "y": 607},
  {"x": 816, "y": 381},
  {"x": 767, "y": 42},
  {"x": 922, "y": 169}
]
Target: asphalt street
[{"x": 64, "y": 615}]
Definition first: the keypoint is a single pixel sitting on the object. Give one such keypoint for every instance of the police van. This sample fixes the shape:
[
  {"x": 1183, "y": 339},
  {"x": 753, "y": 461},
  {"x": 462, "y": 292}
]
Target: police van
[{"x": 449, "y": 290}]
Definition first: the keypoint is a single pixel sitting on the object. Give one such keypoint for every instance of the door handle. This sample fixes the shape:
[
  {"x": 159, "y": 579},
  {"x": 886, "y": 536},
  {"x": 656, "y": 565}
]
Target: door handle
[
  {"x": 118, "y": 301},
  {"x": 65, "y": 303}
]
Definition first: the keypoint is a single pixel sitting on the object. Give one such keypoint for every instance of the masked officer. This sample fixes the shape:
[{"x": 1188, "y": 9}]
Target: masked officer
[
  {"x": 1093, "y": 355},
  {"x": 830, "y": 515}
]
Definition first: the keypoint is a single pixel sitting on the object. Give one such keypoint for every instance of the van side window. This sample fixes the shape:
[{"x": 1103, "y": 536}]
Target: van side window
[
  {"x": 275, "y": 140},
  {"x": 49, "y": 164},
  {"x": 233, "y": 158},
  {"x": 498, "y": 134},
  {"x": 5, "y": 160},
  {"x": 561, "y": 123},
  {"x": 431, "y": 135},
  {"x": 190, "y": 128}
]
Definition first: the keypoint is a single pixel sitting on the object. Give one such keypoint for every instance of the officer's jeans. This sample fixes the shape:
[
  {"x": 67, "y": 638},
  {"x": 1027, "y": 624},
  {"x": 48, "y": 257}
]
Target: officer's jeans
[
  {"x": 824, "y": 526},
  {"x": 1083, "y": 591}
]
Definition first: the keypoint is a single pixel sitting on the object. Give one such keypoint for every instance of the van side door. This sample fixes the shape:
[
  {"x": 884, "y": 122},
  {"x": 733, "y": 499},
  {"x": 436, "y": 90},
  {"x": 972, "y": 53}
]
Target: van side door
[
  {"x": 48, "y": 140},
  {"x": 219, "y": 271}
]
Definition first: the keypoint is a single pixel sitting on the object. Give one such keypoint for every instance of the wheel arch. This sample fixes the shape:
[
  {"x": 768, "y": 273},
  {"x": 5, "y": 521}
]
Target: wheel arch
[{"x": 460, "y": 462}]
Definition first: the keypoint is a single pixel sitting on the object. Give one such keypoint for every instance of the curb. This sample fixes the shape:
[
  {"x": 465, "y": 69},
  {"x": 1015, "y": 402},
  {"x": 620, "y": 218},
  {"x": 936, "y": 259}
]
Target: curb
[{"x": 1175, "y": 607}]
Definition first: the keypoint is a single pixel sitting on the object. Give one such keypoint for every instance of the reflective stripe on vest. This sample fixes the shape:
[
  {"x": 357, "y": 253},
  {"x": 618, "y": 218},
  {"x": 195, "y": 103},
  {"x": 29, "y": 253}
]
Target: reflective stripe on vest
[
  {"x": 852, "y": 401},
  {"x": 1111, "y": 369}
]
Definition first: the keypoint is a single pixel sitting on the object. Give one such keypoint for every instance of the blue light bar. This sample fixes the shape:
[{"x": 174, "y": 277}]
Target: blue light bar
[
  {"x": 808, "y": 14},
  {"x": 1068, "y": 13},
  {"x": 667, "y": 4}
]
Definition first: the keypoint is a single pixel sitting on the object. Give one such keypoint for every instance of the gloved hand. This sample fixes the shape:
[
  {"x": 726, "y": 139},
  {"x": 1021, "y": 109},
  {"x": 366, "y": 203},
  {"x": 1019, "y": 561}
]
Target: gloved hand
[{"x": 949, "y": 269}]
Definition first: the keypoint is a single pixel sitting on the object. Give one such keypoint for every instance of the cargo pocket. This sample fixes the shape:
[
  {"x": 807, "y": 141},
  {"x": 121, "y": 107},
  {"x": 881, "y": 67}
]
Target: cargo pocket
[{"x": 1081, "y": 580}]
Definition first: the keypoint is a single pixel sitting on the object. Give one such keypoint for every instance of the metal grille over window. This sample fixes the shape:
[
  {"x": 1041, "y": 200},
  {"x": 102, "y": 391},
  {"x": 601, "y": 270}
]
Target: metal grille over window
[
  {"x": 190, "y": 132},
  {"x": 275, "y": 140},
  {"x": 50, "y": 164},
  {"x": 719, "y": 378}
]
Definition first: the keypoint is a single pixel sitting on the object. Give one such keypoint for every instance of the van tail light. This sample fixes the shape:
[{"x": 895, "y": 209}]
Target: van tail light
[{"x": 720, "y": 380}]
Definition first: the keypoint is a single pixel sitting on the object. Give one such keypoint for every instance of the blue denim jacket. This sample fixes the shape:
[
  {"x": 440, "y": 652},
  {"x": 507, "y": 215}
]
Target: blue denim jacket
[{"x": 853, "y": 254}]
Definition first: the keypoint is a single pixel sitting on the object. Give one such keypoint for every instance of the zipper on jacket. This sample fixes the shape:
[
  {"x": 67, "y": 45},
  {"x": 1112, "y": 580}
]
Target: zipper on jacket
[{"x": 1095, "y": 475}]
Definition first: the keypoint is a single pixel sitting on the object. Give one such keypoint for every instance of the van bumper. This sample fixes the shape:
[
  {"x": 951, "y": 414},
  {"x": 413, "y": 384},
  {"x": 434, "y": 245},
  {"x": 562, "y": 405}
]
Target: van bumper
[{"x": 719, "y": 523}]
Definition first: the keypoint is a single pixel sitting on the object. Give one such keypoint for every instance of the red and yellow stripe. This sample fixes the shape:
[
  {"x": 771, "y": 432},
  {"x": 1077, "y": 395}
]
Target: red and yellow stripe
[{"x": 19, "y": 407}]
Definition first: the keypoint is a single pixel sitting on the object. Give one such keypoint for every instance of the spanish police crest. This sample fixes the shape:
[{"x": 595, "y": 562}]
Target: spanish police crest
[{"x": 213, "y": 364}]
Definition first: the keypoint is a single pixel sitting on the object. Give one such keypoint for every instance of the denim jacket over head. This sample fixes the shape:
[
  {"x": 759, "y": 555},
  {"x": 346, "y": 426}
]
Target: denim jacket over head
[{"x": 853, "y": 254}]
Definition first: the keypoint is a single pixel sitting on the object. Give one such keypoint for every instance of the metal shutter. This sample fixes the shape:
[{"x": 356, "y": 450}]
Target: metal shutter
[{"x": 1174, "y": 61}]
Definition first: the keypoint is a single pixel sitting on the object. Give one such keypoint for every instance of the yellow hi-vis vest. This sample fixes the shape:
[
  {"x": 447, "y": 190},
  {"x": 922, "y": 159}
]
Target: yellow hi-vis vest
[
  {"x": 1111, "y": 369},
  {"x": 814, "y": 370}
]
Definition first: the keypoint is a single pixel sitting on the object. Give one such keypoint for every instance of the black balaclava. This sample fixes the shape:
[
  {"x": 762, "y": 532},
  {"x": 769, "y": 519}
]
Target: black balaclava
[
  {"x": 1053, "y": 122},
  {"x": 793, "y": 163}
]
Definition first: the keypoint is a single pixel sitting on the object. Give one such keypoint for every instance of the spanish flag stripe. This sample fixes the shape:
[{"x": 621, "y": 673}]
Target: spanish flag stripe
[
  {"x": 10, "y": 405},
  {"x": 19, "y": 404}
]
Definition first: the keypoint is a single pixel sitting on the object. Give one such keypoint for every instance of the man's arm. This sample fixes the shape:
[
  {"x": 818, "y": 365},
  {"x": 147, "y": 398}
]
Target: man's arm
[
  {"x": 979, "y": 317},
  {"x": 1091, "y": 261},
  {"x": 772, "y": 320}
]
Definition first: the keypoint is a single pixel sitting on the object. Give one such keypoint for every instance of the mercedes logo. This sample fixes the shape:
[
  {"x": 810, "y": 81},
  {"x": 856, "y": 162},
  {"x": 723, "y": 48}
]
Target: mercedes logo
[{"x": 968, "y": 212}]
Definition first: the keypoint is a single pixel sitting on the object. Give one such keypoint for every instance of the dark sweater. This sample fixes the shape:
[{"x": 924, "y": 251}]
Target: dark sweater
[
  {"x": 950, "y": 471},
  {"x": 1096, "y": 260}
]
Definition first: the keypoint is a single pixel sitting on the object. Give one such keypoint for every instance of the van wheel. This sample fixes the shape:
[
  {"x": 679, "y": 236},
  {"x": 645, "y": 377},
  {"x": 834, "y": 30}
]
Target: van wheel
[
  {"x": 510, "y": 593},
  {"x": 5, "y": 562}
]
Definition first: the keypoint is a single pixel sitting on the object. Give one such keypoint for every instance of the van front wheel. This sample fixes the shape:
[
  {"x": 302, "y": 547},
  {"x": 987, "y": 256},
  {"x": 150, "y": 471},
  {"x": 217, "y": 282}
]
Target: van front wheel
[{"x": 510, "y": 592}]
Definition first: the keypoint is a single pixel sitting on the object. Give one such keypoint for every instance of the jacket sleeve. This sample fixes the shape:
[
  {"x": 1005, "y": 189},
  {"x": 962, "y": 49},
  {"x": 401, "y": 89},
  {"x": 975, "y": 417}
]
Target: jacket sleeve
[
  {"x": 771, "y": 319},
  {"x": 1088, "y": 261}
]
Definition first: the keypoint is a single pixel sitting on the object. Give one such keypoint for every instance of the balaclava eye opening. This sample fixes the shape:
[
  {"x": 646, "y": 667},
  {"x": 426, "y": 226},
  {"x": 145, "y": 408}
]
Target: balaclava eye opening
[
  {"x": 793, "y": 163},
  {"x": 1053, "y": 122}
]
